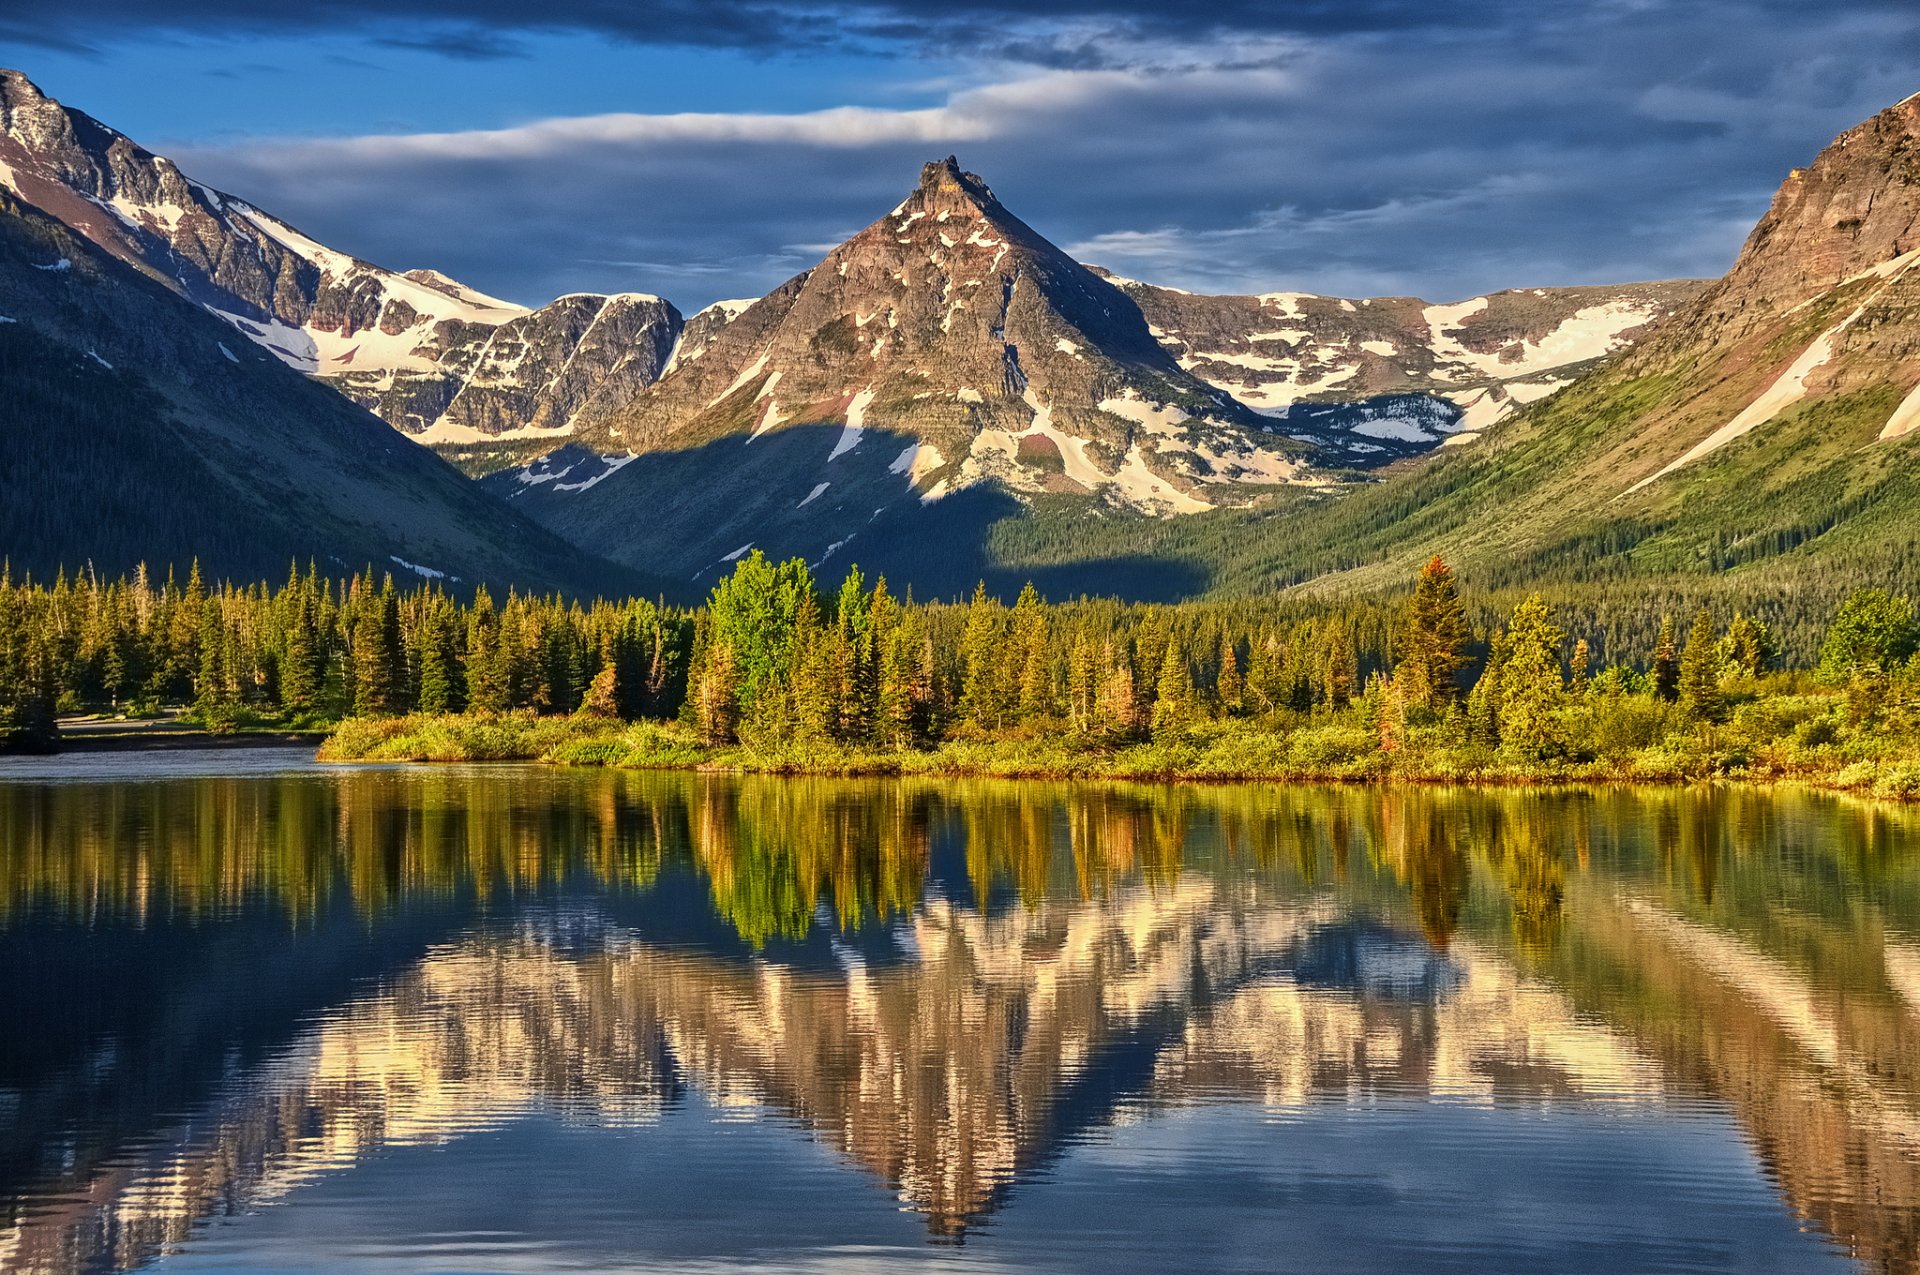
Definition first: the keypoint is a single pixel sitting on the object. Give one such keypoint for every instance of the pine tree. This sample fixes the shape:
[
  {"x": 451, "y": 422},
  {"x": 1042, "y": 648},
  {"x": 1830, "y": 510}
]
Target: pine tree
[
  {"x": 440, "y": 690},
  {"x": 715, "y": 698},
  {"x": 1699, "y": 688},
  {"x": 1036, "y": 664},
  {"x": 1340, "y": 673},
  {"x": 212, "y": 701},
  {"x": 1666, "y": 668},
  {"x": 1433, "y": 639},
  {"x": 377, "y": 655},
  {"x": 1119, "y": 708},
  {"x": 1173, "y": 693},
  {"x": 1577, "y": 668},
  {"x": 486, "y": 685},
  {"x": 301, "y": 666},
  {"x": 1748, "y": 649},
  {"x": 1531, "y": 687},
  {"x": 1229, "y": 687},
  {"x": 980, "y": 656}
]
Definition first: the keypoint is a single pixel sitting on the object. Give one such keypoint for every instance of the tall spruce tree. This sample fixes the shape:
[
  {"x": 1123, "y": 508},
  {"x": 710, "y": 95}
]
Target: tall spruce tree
[
  {"x": 1666, "y": 664},
  {"x": 1700, "y": 699},
  {"x": 1433, "y": 638}
]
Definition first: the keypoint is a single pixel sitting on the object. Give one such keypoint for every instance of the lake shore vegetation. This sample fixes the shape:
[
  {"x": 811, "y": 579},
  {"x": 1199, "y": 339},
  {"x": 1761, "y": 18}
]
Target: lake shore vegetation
[{"x": 773, "y": 675}]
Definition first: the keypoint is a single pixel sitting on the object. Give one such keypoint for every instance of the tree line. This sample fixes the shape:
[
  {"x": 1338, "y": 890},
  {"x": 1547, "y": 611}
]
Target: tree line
[{"x": 772, "y": 660}]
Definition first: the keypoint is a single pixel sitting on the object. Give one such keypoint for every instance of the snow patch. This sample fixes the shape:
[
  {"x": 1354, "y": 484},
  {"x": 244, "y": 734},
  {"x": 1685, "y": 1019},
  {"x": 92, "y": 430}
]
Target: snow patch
[
  {"x": 1789, "y": 388},
  {"x": 1073, "y": 449},
  {"x": 1288, "y": 303},
  {"x": 737, "y": 554},
  {"x": 1385, "y": 349},
  {"x": 916, "y": 461},
  {"x": 1067, "y": 347},
  {"x": 97, "y": 359},
  {"x": 1905, "y": 418},
  {"x": 1144, "y": 487},
  {"x": 425, "y": 572},
  {"x": 856, "y": 425},
  {"x": 231, "y": 356},
  {"x": 612, "y": 465},
  {"x": 819, "y": 490},
  {"x": 747, "y": 373},
  {"x": 60, "y": 265}
]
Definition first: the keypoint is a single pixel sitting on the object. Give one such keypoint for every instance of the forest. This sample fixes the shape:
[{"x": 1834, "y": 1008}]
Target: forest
[{"x": 772, "y": 673}]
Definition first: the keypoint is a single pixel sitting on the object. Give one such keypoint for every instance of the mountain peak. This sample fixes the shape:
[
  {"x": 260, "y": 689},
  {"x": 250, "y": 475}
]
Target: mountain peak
[{"x": 944, "y": 185}]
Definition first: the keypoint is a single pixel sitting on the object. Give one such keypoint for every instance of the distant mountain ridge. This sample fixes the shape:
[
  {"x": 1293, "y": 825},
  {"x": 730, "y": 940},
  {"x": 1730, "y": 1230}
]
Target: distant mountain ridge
[
  {"x": 135, "y": 427},
  {"x": 438, "y": 360},
  {"x": 1484, "y": 357}
]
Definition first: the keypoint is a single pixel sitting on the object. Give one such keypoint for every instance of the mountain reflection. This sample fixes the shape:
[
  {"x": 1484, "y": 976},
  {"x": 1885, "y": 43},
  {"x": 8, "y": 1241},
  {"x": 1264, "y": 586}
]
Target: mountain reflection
[{"x": 948, "y": 984}]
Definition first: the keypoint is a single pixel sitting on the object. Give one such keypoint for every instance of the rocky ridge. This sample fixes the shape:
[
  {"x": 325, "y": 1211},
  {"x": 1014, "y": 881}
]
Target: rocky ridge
[
  {"x": 1386, "y": 360},
  {"x": 952, "y": 323},
  {"x": 436, "y": 359}
]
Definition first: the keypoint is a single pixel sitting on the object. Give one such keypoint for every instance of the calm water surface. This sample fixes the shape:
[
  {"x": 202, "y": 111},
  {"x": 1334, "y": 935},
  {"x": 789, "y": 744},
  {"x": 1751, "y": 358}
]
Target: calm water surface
[{"x": 260, "y": 1015}]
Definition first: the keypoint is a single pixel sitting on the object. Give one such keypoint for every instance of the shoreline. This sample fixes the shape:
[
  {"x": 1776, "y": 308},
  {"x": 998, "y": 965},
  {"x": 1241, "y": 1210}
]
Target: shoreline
[
  {"x": 182, "y": 741},
  {"x": 1248, "y": 758}
]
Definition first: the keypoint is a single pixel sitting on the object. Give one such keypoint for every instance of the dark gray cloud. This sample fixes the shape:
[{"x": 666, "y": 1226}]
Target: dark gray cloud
[
  {"x": 955, "y": 25},
  {"x": 1613, "y": 140}
]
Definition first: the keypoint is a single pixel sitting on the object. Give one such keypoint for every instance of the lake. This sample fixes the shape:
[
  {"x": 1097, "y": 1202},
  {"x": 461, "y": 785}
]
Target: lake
[{"x": 261, "y": 1015}]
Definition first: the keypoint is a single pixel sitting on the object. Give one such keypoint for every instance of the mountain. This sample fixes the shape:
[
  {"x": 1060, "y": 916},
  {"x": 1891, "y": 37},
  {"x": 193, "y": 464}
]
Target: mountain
[
  {"x": 1399, "y": 368},
  {"x": 436, "y": 359},
  {"x": 946, "y": 348},
  {"x": 1765, "y": 435},
  {"x": 137, "y": 427}
]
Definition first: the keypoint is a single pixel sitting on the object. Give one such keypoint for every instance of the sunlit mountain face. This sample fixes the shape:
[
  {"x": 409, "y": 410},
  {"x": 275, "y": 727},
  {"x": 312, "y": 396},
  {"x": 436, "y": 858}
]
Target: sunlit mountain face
[{"x": 515, "y": 1019}]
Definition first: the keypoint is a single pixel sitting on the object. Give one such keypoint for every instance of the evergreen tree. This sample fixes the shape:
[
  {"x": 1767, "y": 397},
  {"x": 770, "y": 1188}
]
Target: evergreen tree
[
  {"x": 1173, "y": 693},
  {"x": 1531, "y": 687},
  {"x": 378, "y": 660},
  {"x": 1340, "y": 673},
  {"x": 1748, "y": 650},
  {"x": 1229, "y": 687},
  {"x": 981, "y": 700},
  {"x": 440, "y": 689},
  {"x": 1700, "y": 699},
  {"x": 1433, "y": 638},
  {"x": 1666, "y": 667}
]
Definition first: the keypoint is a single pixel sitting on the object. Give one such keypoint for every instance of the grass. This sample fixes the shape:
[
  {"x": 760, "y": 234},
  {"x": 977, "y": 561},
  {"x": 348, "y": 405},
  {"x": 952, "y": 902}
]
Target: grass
[{"x": 1803, "y": 737}]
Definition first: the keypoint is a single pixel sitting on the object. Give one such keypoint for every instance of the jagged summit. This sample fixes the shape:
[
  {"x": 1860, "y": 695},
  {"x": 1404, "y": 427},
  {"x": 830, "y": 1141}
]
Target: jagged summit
[
  {"x": 948, "y": 347},
  {"x": 943, "y": 180},
  {"x": 951, "y": 321}
]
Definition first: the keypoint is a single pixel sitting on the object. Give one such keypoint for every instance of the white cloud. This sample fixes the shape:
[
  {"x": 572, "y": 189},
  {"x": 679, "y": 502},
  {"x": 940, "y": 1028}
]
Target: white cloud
[{"x": 1594, "y": 149}]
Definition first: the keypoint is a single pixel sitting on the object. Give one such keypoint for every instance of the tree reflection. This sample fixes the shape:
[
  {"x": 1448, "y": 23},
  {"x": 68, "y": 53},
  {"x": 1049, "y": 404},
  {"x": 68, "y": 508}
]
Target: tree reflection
[{"x": 1105, "y": 948}]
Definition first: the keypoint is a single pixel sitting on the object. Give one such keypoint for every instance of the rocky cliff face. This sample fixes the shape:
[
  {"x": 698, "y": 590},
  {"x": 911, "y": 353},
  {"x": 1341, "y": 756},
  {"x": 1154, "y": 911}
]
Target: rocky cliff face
[
  {"x": 1854, "y": 211},
  {"x": 1821, "y": 309},
  {"x": 951, "y": 323},
  {"x": 1388, "y": 359},
  {"x": 434, "y": 358}
]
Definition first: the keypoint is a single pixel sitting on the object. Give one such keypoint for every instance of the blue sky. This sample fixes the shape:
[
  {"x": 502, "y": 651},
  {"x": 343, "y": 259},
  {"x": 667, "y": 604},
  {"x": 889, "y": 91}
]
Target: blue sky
[{"x": 712, "y": 148}]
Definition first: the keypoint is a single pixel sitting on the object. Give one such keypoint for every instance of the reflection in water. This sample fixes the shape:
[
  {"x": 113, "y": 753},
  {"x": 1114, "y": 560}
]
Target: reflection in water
[{"x": 951, "y": 985}]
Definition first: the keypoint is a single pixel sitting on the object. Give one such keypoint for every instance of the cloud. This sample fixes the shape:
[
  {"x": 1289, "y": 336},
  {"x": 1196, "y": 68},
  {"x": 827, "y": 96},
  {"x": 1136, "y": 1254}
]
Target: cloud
[{"x": 1584, "y": 143}]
